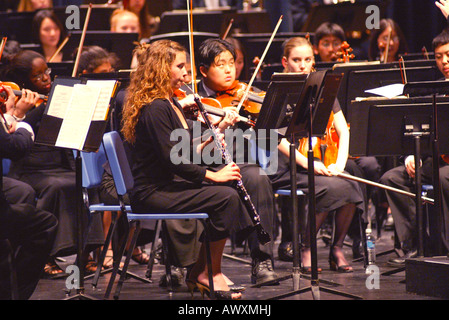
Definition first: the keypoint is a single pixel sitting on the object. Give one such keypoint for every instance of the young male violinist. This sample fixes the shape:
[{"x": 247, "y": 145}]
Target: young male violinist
[
  {"x": 402, "y": 207},
  {"x": 216, "y": 62}
]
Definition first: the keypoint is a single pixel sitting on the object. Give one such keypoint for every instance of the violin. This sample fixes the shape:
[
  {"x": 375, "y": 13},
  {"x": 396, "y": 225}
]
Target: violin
[
  {"x": 345, "y": 55},
  {"x": 211, "y": 105},
  {"x": 234, "y": 94},
  {"x": 17, "y": 91},
  {"x": 325, "y": 148}
]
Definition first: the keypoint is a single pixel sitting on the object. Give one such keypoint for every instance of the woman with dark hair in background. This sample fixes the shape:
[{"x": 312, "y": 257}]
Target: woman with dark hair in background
[
  {"x": 148, "y": 23},
  {"x": 95, "y": 59},
  {"x": 49, "y": 32},
  {"x": 388, "y": 35},
  {"x": 32, "y": 5}
]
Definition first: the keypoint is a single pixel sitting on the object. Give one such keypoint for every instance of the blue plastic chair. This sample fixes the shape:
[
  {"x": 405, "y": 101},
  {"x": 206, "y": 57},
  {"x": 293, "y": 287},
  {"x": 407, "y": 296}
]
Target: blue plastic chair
[
  {"x": 124, "y": 182},
  {"x": 6, "y": 163},
  {"x": 92, "y": 172}
]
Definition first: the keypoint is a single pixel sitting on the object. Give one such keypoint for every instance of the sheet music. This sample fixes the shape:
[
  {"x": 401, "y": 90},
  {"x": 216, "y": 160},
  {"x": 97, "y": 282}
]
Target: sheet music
[
  {"x": 106, "y": 90},
  {"x": 78, "y": 116},
  {"x": 60, "y": 101},
  {"x": 390, "y": 91}
]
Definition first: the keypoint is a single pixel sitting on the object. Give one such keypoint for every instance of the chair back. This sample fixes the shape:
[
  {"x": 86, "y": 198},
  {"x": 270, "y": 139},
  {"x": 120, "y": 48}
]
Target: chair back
[
  {"x": 6, "y": 163},
  {"x": 92, "y": 167},
  {"x": 118, "y": 161},
  {"x": 262, "y": 156}
]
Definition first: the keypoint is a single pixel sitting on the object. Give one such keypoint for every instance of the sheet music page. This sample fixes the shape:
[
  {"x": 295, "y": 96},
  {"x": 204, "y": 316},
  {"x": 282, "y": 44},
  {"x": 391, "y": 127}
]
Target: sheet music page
[
  {"x": 60, "y": 101},
  {"x": 390, "y": 91},
  {"x": 76, "y": 123},
  {"x": 107, "y": 89}
]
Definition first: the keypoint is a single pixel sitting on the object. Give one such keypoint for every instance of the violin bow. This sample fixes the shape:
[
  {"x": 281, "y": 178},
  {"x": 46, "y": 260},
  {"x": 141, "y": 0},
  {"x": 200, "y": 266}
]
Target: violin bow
[
  {"x": 245, "y": 95},
  {"x": 191, "y": 47},
  {"x": 425, "y": 53},
  {"x": 2, "y": 46},
  {"x": 403, "y": 72},
  {"x": 387, "y": 47},
  {"x": 83, "y": 36},
  {"x": 63, "y": 43},
  {"x": 225, "y": 35}
]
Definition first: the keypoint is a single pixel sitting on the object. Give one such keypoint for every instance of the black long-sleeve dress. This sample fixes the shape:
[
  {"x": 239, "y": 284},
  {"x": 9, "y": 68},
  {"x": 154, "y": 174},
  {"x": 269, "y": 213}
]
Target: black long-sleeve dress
[{"x": 162, "y": 186}]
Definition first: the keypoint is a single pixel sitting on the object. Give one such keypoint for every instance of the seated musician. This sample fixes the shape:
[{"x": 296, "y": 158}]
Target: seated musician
[
  {"x": 148, "y": 23},
  {"x": 387, "y": 42},
  {"x": 95, "y": 59},
  {"x": 49, "y": 33},
  {"x": 403, "y": 208},
  {"x": 150, "y": 115},
  {"x": 216, "y": 61},
  {"x": 124, "y": 21},
  {"x": 50, "y": 170},
  {"x": 327, "y": 42},
  {"x": 332, "y": 193},
  {"x": 29, "y": 230},
  {"x": 32, "y": 5}
]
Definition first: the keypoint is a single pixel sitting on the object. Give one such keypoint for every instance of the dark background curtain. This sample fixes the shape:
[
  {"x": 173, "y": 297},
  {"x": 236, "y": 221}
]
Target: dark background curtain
[{"x": 420, "y": 20}]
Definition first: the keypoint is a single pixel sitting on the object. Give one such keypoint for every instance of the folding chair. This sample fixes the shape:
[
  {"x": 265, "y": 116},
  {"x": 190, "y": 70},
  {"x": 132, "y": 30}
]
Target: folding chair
[
  {"x": 124, "y": 182},
  {"x": 92, "y": 171}
]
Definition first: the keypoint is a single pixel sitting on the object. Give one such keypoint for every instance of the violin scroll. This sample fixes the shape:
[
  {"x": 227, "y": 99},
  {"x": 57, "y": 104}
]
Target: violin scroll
[{"x": 346, "y": 53}]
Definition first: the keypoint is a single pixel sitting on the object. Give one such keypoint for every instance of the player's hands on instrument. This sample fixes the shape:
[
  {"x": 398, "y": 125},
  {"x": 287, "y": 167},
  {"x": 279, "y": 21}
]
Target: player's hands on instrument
[
  {"x": 230, "y": 172},
  {"x": 321, "y": 169}
]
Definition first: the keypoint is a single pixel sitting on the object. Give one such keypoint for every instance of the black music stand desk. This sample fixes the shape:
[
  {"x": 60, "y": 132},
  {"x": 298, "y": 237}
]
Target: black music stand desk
[{"x": 53, "y": 126}]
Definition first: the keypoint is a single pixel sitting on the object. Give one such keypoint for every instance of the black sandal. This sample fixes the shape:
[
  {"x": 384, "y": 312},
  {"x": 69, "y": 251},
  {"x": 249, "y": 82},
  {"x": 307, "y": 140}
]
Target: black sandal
[
  {"x": 219, "y": 294},
  {"x": 141, "y": 257},
  {"x": 53, "y": 271},
  {"x": 90, "y": 267}
]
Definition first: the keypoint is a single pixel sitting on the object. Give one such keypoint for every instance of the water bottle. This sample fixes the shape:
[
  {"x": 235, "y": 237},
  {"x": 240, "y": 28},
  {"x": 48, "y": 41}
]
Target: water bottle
[{"x": 371, "y": 247}]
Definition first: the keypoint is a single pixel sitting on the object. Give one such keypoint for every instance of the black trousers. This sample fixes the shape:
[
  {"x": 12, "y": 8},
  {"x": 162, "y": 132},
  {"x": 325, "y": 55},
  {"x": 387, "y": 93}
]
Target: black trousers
[
  {"x": 221, "y": 203},
  {"x": 403, "y": 208},
  {"x": 31, "y": 233},
  {"x": 260, "y": 190}
]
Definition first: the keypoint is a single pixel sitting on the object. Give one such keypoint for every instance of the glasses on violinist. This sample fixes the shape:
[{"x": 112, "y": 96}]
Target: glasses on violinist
[
  {"x": 394, "y": 39},
  {"x": 38, "y": 77}
]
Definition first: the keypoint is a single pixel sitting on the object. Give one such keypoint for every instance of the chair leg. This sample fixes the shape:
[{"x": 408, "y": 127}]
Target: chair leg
[
  {"x": 149, "y": 272},
  {"x": 167, "y": 261},
  {"x": 103, "y": 253},
  {"x": 116, "y": 264},
  {"x": 127, "y": 260},
  {"x": 363, "y": 238}
]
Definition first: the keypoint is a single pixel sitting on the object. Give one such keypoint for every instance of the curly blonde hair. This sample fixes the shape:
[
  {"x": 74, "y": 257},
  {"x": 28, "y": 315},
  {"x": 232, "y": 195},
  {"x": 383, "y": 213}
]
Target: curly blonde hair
[{"x": 150, "y": 81}]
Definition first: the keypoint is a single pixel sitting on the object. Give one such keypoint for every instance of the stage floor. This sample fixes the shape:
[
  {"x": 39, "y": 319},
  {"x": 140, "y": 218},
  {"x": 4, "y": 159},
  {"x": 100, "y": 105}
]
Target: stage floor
[{"x": 358, "y": 283}]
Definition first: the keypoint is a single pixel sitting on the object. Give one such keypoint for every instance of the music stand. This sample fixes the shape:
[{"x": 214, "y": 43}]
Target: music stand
[
  {"x": 318, "y": 92},
  {"x": 49, "y": 133},
  {"x": 310, "y": 118},
  {"x": 422, "y": 89},
  {"x": 398, "y": 122}
]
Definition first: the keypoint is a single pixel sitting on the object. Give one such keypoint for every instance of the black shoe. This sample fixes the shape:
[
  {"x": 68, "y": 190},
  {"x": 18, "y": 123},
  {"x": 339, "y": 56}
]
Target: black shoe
[
  {"x": 356, "y": 249},
  {"x": 177, "y": 278},
  {"x": 400, "y": 262},
  {"x": 285, "y": 251},
  {"x": 262, "y": 271}
]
